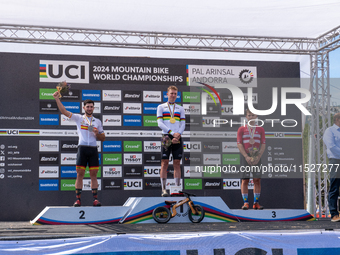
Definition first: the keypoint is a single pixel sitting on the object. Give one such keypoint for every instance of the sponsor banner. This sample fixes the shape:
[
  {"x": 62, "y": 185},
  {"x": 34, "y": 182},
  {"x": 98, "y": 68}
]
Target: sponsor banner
[
  {"x": 192, "y": 146},
  {"x": 171, "y": 183},
  {"x": 49, "y": 184},
  {"x": 112, "y": 95},
  {"x": 208, "y": 122},
  {"x": 192, "y": 109},
  {"x": 132, "y": 108},
  {"x": 231, "y": 159},
  {"x": 193, "y": 121},
  {"x": 152, "y": 146},
  {"x": 133, "y": 158},
  {"x": 212, "y": 184},
  {"x": 112, "y": 159},
  {"x": 46, "y": 94},
  {"x": 210, "y": 171},
  {"x": 132, "y": 120},
  {"x": 220, "y": 76},
  {"x": 191, "y": 172},
  {"x": 149, "y": 108},
  {"x": 68, "y": 158},
  {"x": 87, "y": 184},
  {"x": 49, "y": 107},
  {"x": 69, "y": 146},
  {"x": 72, "y": 106},
  {"x": 227, "y": 110},
  {"x": 48, "y": 171},
  {"x": 213, "y": 109},
  {"x": 67, "y": 185},
  {"x": 150, "y": 121},
  {"x": 61, "y": 70},
  {"x": 191, "y": 97},
  {"x": 192, "y": 159},
  {"x": 112, "y": 107},
  {"x": 190, "y": 184},
  {"x": 212, "y": 159},
  {"x": 152, "y": 96},
  {"x": 66, "y": 121},
  {"x": 133, "y": 184},
  {"x": 137, "y": 74},
  {"x": 236, "y": 184},
  {"x": 178, "y": 98},
  {"x": 112, "y": 120},
  {"x": 154, "y": 158},
  {"x": 133, "y": 171},
  {"x": 112, "y": 146},
  {"x": 49, "y": 119},
  {"x": 211, "y": 147},
  {"x": 97, "y": 108},
  {"x": 48, "y": 145},
  {"x": 230, "y": 147},
  {"x": 112, "y": 184},
  {"x": 94, "y": 95},
  {"x": 152, "y": 171},
  {"x": 73, "y": 94},
  {"x": 112, "y": 171},
  {"x": 132, "y": 96},
  {"x": 133, "y": 146},
  {"x": 48, "y": 158},
  {"x": 154, "y": 183},
  {"x": 68, "y": 172}
]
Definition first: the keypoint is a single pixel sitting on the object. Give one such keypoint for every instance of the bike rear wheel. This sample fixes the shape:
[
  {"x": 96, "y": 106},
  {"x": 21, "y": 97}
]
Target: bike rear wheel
[
  {"x": 198, "y": 216},
  {"x": 161, "y": 214}
]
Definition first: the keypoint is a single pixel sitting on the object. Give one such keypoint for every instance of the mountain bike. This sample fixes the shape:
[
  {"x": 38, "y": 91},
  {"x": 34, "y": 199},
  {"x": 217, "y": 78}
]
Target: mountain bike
[{"x": 163, "y": 214}]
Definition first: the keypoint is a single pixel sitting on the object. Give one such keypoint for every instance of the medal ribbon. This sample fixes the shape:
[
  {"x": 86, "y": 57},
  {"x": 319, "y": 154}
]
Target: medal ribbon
[
  {"x": 251, "y": 131},
  {"x": 173, "y": 110},
  {"x": 87, "y": 120}
]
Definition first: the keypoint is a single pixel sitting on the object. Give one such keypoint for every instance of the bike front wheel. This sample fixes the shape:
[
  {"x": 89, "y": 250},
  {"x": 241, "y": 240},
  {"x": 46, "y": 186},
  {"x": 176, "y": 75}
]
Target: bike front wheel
[
  {"x": 161, "y": 214},
  {"x": 198, "y": 215}
]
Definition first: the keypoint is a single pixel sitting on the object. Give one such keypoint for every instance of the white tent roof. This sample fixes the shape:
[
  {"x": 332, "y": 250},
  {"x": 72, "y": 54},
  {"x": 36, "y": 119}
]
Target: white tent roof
[{"x": 289, "y": 18}]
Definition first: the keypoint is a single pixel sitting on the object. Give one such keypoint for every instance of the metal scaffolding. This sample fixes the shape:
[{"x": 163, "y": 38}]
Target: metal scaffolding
[{"x": 317, "y": 48}]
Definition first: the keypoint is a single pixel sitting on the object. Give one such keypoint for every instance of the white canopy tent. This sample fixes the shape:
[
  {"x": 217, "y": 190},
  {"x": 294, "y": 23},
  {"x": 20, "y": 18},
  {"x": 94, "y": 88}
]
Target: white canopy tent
[{"x": 255, "y": 23}]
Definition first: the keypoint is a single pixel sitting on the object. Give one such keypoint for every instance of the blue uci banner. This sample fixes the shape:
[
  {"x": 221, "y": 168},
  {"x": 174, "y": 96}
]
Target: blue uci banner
[
  {"x": 112, "y": 146},
  {"x": 68, "y": 172},
  {"x": 48, "y": 184},
  {"x": 150, "y": 108},
  {"x": 132, "y": 120},
  {"x": 94, "y": 95},
  {"x": 49, "y": 119},
  {"x": 72, "y": 106},
  {"x": 178, "y": 99}
]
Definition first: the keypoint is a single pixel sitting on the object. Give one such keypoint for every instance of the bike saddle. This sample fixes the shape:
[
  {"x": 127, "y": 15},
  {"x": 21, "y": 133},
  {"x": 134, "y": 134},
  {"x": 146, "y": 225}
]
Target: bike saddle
[{"x": 170, "y": 202}]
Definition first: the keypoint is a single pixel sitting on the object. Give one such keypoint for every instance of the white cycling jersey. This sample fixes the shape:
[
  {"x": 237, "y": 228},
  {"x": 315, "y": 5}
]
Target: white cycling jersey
[
  {"x": 86, "y": 137},
  {"x": 164, "y": 115}
]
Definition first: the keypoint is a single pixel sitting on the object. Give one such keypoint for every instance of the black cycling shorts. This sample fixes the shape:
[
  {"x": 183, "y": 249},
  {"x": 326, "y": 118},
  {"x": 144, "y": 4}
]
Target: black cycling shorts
[
  {"x": 87, "y": 155},
  {"x": 175, "y": 149}
]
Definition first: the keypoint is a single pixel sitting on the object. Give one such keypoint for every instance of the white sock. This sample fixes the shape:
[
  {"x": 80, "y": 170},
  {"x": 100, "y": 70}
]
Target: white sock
[
  {"x": 163, "y": 183},
  {"x": 178, "y": 181}
]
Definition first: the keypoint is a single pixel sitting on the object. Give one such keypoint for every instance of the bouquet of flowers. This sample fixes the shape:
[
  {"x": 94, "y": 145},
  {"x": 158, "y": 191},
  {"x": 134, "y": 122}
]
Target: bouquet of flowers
[
  {"x": 253, "y": 153},
  {"x": 166, "y": 142},
  {"x": 63, "y": 87}
]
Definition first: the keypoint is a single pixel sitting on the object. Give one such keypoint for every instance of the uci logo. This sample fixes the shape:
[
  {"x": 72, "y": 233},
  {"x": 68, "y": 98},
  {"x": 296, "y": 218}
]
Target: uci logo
[
  {"x": 12, "y": 132},
  {"x": 70, "y": 71}
]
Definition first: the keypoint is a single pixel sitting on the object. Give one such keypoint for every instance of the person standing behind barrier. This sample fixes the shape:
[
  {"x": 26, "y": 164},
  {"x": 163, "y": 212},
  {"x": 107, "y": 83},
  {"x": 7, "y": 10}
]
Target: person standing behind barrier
[
  {"x": 251, "y": 142},
  {"x": 331, "y": 138},
  {"x": 89, "y": 130},
  {"x": 171, "y": 119}
]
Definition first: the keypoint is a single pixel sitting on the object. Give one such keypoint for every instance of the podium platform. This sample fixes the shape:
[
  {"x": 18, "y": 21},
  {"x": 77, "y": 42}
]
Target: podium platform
[{"x": 138, "y": 210}]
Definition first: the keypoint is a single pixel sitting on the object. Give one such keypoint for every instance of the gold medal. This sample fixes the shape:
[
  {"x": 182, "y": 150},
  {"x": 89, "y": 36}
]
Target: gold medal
[{"x": 172, "y": 120}]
